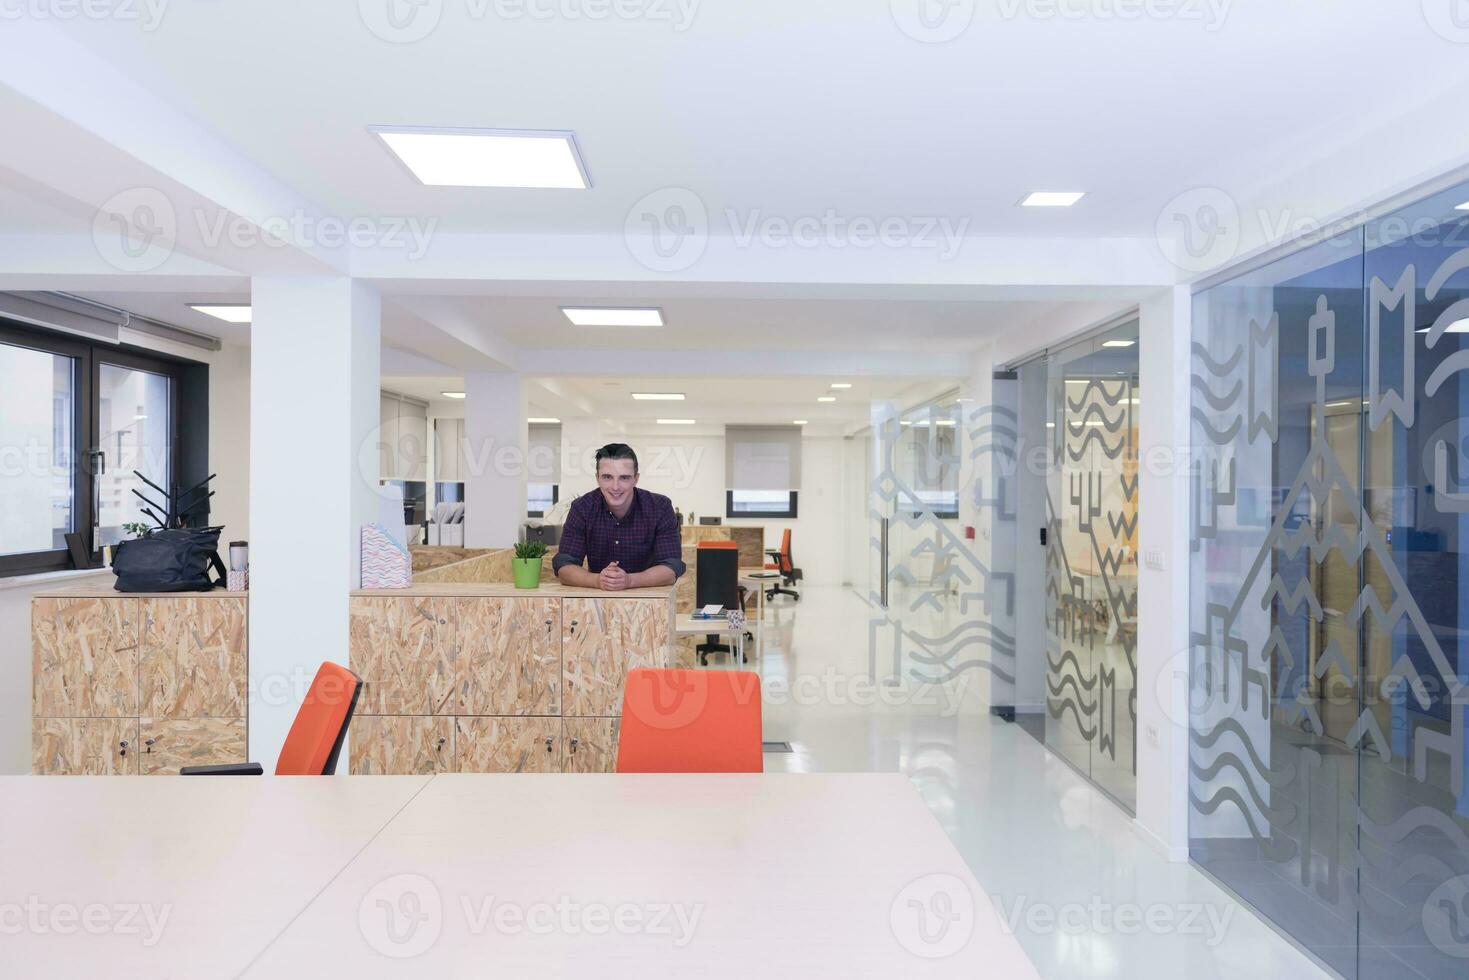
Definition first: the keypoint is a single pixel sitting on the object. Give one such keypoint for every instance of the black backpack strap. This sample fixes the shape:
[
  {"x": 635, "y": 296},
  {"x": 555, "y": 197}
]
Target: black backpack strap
[{"x": 217, "y": 564}]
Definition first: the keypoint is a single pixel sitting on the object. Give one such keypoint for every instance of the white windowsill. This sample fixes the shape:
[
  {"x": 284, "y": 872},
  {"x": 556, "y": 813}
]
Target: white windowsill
[{"x": 47, "y": 578}]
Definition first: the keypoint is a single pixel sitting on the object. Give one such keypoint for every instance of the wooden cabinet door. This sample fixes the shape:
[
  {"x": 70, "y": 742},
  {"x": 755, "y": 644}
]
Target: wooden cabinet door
[
  {"x": 589, "y": 744},
  {"x": 84, "y": 658},
  {"x": 84, "y": 746},
  {"x": 405, "y": 652},
  {"x": 193, "y": 658},
  {"x": 399, "y": 745},
  {"x": 169, "y": 744},
  {"x": 601, "y": 639},
  {"x": 509, "y": 656},
  {"x": 507, "y": 744}
]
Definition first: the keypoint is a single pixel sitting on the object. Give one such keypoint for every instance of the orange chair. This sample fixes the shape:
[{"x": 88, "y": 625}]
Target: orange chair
[
  {"x": 315, "y": 739},
  {"x": 690, "y": 721},
  {"x": 786, "y": 565}
]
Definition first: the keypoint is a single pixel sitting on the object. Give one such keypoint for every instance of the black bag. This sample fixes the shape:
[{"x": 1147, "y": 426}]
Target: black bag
[{"x": 175, "y": 560}]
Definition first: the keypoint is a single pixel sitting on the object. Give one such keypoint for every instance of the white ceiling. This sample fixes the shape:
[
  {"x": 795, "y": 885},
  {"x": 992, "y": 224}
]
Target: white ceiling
[{"x": 777, "y": 108}]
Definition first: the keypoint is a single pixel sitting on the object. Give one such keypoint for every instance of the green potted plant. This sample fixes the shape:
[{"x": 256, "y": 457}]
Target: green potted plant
[{"x": 526, "y": 565}]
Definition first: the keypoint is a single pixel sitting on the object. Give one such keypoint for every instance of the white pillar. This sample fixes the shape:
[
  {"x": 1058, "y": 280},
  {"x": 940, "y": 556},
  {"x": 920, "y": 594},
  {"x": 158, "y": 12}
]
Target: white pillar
[
  {"x": 314, "y": 353},
  {"x": 494, "y": 452},
  {"x": 1163, "y": 540},
  {"x": 580, "y": 440}
]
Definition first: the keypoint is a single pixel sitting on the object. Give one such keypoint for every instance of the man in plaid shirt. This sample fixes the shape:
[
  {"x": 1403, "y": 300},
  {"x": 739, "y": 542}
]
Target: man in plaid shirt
[{"x": 629, "y": 538}]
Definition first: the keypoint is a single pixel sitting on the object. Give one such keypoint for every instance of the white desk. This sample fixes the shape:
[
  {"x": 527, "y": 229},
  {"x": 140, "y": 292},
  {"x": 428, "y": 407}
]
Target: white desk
[
  {"x": 686, "y": 624},
  {"x": 789, "y": 875},
  {"x": 228, "y": 860},
  {"x": 775, "y": 875}
]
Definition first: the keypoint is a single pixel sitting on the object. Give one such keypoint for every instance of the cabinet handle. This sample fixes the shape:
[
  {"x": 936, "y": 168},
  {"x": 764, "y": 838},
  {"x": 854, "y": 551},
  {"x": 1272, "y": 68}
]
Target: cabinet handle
[
  {"x": 548, "y": 743},
  {"x": 573, "y": 627},
  {"x": 149, "y": 743},
  {"x": 573, "y": 746},
  {"x": 122, "y": 747},
  {"x": 442, "y": 740}
]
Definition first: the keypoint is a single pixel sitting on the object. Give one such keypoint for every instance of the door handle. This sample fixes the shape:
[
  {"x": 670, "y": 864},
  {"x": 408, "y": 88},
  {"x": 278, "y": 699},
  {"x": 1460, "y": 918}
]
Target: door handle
[{"x": 573, "y": 746}]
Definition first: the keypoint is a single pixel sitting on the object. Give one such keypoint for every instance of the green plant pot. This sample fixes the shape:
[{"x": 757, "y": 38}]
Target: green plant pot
[{"x": 527, "y": 572}]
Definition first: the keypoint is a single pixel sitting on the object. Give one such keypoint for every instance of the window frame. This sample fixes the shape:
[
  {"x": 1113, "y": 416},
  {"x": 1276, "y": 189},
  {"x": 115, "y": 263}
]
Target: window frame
[
  {"x": 88, "y": 357},
  {"x": 555, "y": 499},
  {"x": 731, "y": 514}
]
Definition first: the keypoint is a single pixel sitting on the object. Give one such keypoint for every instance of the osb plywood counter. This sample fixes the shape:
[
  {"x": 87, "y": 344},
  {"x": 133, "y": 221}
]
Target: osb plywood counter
[
  {"x": 485, "y": 677},
  {"x": 137, "y": 683}
]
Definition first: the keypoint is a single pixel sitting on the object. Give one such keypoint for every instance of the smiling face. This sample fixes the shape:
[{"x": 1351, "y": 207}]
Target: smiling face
[{"x": 616, "y": 479}]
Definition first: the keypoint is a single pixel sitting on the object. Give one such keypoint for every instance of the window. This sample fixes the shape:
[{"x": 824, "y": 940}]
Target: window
[
  {"x": 541, "y": 497},
  {"x": 37, "y": 432},
  {"x": 78, "y": 423},
  {"x": 762, "y": 467},
  {"x": 760, "y": 503}
]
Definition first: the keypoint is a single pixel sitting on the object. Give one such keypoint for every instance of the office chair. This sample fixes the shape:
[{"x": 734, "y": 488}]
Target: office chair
[
  {"x": 717, "y": 583},
  {"x": 315, "y": 739},
  {"x": 789, "y": 573},
  {"x": 676, "y": 720}
]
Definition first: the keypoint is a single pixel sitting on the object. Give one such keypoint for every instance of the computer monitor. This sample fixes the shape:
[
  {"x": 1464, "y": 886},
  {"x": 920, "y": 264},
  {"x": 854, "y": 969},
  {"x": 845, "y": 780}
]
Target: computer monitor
[{"x": 719, "y": 577}]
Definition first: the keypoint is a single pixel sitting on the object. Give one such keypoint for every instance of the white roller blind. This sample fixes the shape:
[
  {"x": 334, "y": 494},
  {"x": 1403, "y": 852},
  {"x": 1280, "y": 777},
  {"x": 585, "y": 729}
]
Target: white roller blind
[
  {"x": 543, "y": 454},
  {"x": 762, "y": 457}
]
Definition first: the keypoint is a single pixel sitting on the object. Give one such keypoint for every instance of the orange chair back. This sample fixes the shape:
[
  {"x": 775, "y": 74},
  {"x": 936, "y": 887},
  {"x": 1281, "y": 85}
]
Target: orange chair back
[
  {"x": 315, "y": 739},
  {"x": 786, "y": 565},
  {"x": 690, "y": 721},
  {"x": 719, "y": 544}
]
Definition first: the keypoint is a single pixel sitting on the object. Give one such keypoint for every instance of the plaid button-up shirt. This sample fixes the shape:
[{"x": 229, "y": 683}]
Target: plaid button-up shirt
[{"x": 647, "y": 536}]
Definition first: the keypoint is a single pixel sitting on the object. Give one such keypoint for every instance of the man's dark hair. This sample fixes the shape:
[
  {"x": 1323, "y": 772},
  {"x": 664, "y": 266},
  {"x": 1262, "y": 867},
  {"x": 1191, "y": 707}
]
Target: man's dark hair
[{"x": 617, "y": 450}]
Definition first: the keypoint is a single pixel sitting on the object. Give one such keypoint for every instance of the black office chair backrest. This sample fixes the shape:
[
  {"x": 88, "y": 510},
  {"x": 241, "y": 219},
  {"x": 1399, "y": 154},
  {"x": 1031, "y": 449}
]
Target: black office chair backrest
[{"x": 719, "y": 577}]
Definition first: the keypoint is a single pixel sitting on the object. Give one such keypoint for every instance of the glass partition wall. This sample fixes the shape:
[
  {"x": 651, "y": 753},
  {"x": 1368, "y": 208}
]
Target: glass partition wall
[
  {"x": 1091, "y": 558},
  {"x": 1330, "y": 592}
]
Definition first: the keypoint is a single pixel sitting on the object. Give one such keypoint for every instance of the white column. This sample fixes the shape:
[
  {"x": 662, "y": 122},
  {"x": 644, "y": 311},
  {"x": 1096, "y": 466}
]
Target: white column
[
  {"x": 580, "y": 440},
  {"x": 314, "y": 352},
  {"x": 977, "y": 484},
  {"x": 1163, "y": 540},
  {"x": 494, "y": 453}
]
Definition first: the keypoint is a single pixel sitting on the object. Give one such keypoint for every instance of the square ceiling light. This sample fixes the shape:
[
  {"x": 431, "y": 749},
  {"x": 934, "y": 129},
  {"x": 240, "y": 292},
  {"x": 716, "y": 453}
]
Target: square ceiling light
[
  {"x": 1462, "y": 207},
  {"x": 827, "y": 398},
  {"x": 229, "y": 312},
  {"x": 1118, "y": 343},
  {"x": 675, "y": 421},
  {"x": 657, "y": 396},
  {"x": 488, "y": 157},
  {"x": 614, "y": 316},
  {"x": 534, "y": 420},
  {"x": 452, "y": 394},
  {"x": 1052, "y": 199}
]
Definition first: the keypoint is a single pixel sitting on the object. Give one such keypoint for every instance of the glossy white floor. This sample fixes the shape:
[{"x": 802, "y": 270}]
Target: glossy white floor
[{"x": 1060, "y": 859}]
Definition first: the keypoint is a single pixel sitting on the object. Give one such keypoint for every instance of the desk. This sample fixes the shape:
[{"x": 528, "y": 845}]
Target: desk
[
  {"x": 775, "y": 874},
  {"x": 755, "y": 578},
  {"x": 690, "y": 625}
]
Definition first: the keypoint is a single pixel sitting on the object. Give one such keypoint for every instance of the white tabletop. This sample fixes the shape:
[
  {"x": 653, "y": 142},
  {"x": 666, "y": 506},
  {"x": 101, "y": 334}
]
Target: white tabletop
[
  {"x": 514, "y": 875},
  {"x": 686, "y": 624},
  {"x": 195, "y": 875}
]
